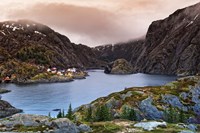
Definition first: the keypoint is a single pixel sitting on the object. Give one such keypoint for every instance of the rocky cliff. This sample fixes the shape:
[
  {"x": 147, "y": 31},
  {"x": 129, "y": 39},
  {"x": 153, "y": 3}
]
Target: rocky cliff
[
  {"x": 172, "y": 45},
  {"x": 31, "y": 42}
]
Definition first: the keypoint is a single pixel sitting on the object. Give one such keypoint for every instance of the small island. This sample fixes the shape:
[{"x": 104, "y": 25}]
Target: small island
[
  {"x": 2, "y": 91},
  {"x": 119, "y": 66}
]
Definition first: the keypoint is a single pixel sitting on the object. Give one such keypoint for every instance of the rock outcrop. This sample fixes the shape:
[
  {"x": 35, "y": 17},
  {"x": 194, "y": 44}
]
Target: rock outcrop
[
  {"x": 119, "y": 66},
  {"x": 35, "y": 123},
  {"x": 149, "y": 126},
  {"x": 7, "y": 110},
  {"x": 156, "y": 102}
]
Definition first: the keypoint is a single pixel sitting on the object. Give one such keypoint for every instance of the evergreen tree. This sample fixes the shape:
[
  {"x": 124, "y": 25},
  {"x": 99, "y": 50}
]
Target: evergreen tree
[
  {"x": 63, "y": 113},
  {"x": 70, "y": 113},
  {"x": 125, "y": 113},
  {"x": 182, "y": 116},
  {"x": 132, "y": 115},
  {"x": 59, "y": 115},
  {"x": 49, "y": 114},
  {"x": 103, "y": 113},
  {"x": 129, "y": 114},
  {"x": 172, "y": 115},
  {"x": 89, "y": 114}
]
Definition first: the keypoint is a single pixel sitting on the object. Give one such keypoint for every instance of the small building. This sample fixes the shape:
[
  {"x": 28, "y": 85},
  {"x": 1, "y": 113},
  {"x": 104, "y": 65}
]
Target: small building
[
  {"x": 59, "y": 73},
  {"x": 54, "y": 70},
  {"x": 48, "y": 70},
  {"x": 71, "y": 70}
]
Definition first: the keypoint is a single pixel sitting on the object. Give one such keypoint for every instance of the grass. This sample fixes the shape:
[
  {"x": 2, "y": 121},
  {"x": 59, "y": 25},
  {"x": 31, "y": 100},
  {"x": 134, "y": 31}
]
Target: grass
[
  {"x": 105, "y": 127},
  {"x": 21, "y": 128}
]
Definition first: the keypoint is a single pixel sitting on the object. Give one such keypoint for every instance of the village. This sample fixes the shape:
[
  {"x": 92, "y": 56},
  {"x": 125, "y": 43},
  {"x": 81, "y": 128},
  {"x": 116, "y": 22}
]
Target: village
[
  {"x": 51, "y": 74},
  {"x": 70, "y": 72}
]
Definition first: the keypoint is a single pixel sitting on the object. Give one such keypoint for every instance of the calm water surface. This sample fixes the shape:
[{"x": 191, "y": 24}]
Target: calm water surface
[{"x": 43, "y": 98}]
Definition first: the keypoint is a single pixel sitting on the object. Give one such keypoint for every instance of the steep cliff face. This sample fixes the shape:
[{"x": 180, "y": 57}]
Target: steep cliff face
[
  {"x": 31, "y": 42},
  {"x": 172, "y": 45}
]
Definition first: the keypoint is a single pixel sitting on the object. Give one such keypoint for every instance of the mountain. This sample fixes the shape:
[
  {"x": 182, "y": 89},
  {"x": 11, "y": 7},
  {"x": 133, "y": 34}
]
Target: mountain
[
  {"x": 172, "y": 45},
  {"x": 128, "y": 50},
  {"x": 32, "y": 42}
]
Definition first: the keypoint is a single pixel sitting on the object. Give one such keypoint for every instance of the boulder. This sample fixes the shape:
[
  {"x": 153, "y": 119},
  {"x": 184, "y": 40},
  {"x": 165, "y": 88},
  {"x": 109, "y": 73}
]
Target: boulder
[
  {"x": 149, "y": 126},
  {"x": 24, "y": 119},
  {"x": 64, "y": 125},
  {"x": 61, "y": 125},
  {"x": 173, "y": 101},
  {"x": 84, "y": 128},
  {"x": 149, "y": 110}
]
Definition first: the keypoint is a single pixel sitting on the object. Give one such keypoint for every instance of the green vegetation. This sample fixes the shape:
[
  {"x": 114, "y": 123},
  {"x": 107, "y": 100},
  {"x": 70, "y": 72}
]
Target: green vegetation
[
  {"x": 174, "y": 115},
  {"x": 102, "y": 113},
  {"x": 128, "y": 113},
  {"x": 89, "y": 116},
  {"x": 18, "y": 69},
  {"x": 35, "y": 53},
  {"x": 60, "y": 115},
  {"x": 70, "y": 113},
  {"x": 105, "y": 127},
  {"x": 20, "y": 128}
]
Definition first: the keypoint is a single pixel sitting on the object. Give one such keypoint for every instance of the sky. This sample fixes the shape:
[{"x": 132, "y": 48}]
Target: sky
[{"x": 93, "y": 22}]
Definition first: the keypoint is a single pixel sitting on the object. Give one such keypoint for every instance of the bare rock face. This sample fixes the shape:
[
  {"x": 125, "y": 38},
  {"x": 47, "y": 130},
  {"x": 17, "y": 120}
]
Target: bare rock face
[
  {"x": 172, "y": 45},
  {"x": 119, "y": 66}
]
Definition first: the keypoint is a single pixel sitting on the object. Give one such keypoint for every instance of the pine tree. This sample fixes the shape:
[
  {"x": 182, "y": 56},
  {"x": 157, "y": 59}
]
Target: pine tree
[
  {"x": 69, "y": 112},
  {"x": 103, "y": 113},
  {"x": 182, "y": 116},
  {"x": 63, "y": 113},
  {"x": 49, "y": 114},
  {"x": 129, "y": 114},
  {"x": 59, "y": 115},
  {"x": 89, "y": 115},
  {"x": 125, "y": 113},
  {"x": 172, "y": 115},
  {"x": 132, "y": 115}
]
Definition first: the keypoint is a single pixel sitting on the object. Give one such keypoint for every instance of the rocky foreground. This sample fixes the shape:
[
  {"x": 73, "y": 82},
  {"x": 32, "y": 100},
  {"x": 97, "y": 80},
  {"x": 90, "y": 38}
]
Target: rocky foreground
[
  {"x": 42, "y": 124},
  {"x": 175, "y": 102}
]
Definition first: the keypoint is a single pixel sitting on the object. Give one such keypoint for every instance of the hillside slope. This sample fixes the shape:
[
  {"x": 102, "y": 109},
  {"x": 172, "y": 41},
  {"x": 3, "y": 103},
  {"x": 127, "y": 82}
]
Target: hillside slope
[
  {"x": 129, "y": 51},
  {"x": 31, "y": 42}
]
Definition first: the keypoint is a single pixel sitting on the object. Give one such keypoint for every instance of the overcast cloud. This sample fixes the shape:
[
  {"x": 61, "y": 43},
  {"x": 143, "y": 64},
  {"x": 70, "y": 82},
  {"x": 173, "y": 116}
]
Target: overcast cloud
[{"x": 93, "y": 22}]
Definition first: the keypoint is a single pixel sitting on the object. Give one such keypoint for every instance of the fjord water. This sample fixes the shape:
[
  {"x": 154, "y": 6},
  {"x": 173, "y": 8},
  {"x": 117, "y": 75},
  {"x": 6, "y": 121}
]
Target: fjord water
[{"x": 43, "y": 98}]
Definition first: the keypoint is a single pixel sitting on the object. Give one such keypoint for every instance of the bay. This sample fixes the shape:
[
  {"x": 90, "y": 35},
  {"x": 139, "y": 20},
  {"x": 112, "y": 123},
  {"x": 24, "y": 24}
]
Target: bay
[{"x": 44, "y": 98}]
